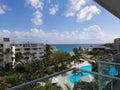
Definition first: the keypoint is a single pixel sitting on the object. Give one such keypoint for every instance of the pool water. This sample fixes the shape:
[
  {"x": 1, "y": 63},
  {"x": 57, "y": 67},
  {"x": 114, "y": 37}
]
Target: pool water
[
  {"x": 77, "y": 77},
  {"x": 113, "y": 71},
  {"x": 89, "y": 68}
]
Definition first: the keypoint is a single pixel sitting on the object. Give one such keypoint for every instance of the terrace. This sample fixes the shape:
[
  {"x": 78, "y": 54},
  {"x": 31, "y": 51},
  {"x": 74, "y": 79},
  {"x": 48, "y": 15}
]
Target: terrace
[{"x": 103, "y": 79}]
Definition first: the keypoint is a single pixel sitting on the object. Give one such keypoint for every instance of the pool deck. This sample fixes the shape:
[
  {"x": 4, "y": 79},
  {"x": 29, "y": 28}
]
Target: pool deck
[
  {"x": 63, "y": 80},
  {"x": 78, "y": 65}
]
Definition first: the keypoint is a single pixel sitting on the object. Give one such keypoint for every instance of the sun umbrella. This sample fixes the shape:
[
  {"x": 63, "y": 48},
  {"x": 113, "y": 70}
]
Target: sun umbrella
[{"x": 54, "y": 80}]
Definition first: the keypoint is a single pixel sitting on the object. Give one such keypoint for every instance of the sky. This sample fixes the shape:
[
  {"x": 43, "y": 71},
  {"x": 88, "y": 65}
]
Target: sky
[{"x": 57, "y": 22}]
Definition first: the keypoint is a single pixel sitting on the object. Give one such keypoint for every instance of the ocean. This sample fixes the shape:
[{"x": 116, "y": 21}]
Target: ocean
[{"x": 69, "y": 47}]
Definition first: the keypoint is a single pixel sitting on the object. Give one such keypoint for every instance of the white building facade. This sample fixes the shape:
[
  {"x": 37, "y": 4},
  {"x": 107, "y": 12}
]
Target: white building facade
[{"x": 30, "y": 51}]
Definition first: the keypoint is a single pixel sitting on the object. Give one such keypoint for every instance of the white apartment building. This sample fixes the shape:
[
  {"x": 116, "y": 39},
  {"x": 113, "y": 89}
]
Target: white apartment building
[
  {"x": 30, "y": 48},
  {"x": 31, "y": 51},
  {"x": 3, "y": 55}
]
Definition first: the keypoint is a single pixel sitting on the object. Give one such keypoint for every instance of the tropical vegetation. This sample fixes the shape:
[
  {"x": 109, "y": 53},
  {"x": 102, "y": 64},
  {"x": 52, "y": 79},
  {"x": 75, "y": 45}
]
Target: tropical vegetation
[
  {"x": 52, "y": 62},
  {"x": 85, "y": 86},
  {"x": 23, "y": 72}
]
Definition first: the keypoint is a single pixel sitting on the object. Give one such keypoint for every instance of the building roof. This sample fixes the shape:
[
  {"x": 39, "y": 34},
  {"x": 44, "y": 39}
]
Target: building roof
[{"x": 112, "y": 6}]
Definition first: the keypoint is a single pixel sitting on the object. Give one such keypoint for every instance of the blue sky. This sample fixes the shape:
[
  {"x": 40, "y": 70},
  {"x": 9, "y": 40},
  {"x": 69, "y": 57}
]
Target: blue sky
[{"x": 57, "y": 21}]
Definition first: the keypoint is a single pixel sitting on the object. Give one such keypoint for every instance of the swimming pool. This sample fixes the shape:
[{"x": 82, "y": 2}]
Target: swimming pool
[
  {"x": 89, "y": 68},
  {"x": 77, "y": 77},
  {"x": 113, "y": 71}
]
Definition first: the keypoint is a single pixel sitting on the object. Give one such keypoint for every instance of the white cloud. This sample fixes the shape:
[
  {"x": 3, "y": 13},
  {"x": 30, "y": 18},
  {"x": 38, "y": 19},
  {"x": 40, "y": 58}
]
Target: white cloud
[
  {"x": 3, "y": 8},
  {"x": 87, "y": 13},
  {"x": 92, "y": 34},
  {"x": 37, "y": 4},
  {"x": 73, "y": 6},
  {"x": 53, "y": 10},
  {"x": 37, "y": 20},
  {"x": 95, "y": 34},
  {"x": 80, "y": 10}
]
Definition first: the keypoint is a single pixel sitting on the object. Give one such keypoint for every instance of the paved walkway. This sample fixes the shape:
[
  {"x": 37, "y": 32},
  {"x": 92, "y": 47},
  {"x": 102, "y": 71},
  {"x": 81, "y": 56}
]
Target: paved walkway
[
  {"x": 64, "y": 81},
  {"x": 78, "y": 65}
]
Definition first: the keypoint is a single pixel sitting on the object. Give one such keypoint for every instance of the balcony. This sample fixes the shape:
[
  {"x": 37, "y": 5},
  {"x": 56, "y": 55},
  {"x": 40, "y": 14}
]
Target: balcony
[
  {"x": 1, "y": 48},
  {"x": 109, "y": 66},
  {"x": 111, "y": 5},
  {"x": 72, "y": 79},
  {"x": 1, "y": 53},
  {"x": 1, "y": 58},
  {"x": 34, "y": 49}
]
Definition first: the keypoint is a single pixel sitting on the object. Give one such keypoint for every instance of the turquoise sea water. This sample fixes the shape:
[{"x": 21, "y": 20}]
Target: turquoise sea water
[
  {"x": 77, "y": 77},
  {"x": 69, "y": 47}
]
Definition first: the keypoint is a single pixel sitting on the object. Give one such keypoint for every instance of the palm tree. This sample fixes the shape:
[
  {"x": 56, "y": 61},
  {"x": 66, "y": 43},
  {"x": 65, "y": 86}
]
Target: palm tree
[
  {"x": 28, "y": 55},
  {"x": 8, "y": 53},
  {"x": 18, "y": 57},
  {"x": 76, "y": 53},
  {"x": 33, "y": 55},
  {"x": 47, "y": 54},
  {"x": 85, "y": 86},
  {"x": 62, "y": 58}
]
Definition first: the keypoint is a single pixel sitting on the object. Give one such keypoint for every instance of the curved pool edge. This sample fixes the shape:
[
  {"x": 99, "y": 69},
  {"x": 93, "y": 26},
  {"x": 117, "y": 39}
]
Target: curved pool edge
[{"x": 77, "y": 78}]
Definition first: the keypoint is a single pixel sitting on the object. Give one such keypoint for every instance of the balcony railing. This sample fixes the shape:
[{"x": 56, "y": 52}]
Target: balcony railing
[{"x": 71, "y": 79}]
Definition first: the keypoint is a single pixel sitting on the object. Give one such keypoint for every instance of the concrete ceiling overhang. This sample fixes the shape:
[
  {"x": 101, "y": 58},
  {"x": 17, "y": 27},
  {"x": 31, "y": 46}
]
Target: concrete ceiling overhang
[{"x": 112, "y": 6}]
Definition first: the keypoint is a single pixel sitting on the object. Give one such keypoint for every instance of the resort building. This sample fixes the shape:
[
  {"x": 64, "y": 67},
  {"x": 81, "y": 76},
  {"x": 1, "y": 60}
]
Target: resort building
[
  {"x": 35, "y": 49},
  {"x": 31, "y": 51},
  {"x": 117, "y": 44},
  {"x": 5, "y": 55},
  {"x": 98, "y": 49},
  {"x": 95, "y": 48}
]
